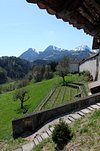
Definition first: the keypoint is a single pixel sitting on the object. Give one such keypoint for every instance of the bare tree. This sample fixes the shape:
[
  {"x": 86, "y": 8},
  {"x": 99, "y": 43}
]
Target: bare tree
[
  {"x": 48, "y": 74},
  {"x": 63, "y": 68},
  {"x": 38, "y": 73},
  {"x": 21, "y": 95}
]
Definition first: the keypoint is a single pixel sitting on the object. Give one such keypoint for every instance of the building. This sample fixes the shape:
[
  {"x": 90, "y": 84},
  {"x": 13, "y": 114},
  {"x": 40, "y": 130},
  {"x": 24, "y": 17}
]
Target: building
[
  {"x": 73, "y": 66},
  {"x": 92, "y": 64}
]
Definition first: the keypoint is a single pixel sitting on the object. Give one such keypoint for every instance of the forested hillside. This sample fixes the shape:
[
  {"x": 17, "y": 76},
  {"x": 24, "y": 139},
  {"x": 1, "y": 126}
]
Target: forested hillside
[{"x": 13, "y": 68}]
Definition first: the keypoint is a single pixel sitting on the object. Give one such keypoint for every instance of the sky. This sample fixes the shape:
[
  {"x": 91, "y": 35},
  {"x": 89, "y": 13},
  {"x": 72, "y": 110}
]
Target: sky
[{"x": 24, "y": 25}]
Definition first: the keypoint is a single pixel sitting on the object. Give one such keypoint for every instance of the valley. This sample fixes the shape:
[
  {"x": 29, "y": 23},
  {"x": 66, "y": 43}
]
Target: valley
[{"x": 40, "y": 80}]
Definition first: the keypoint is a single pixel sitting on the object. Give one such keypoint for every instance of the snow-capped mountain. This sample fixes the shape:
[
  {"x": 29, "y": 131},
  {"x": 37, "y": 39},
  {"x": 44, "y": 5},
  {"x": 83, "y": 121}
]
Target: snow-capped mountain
[
  {"x": 49, "y": 52},
  {"x": 82, "y": 48},
  {"x": 54, "y": 48},
  {"x": 53, "y": 53}
]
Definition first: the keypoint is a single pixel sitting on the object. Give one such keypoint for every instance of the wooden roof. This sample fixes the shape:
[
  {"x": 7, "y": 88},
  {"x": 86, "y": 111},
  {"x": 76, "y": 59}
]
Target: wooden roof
[{"x": 82, "y": 14}]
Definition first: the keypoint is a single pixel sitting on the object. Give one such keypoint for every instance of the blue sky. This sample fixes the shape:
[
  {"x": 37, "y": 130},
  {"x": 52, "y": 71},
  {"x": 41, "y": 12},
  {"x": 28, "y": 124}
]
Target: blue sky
[{"x": 24, "y": 25}]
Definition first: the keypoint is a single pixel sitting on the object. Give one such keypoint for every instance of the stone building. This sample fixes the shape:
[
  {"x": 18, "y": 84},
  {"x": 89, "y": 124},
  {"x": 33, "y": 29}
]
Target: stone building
[{"x": 92, "y": 64}]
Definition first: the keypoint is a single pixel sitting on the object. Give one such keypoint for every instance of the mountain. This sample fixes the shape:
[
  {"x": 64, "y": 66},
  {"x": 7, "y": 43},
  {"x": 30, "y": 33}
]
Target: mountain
[
  {"x": 50, "y": 53},
  {"x": 53, "y": 53},
  {"x": 29, "y": 55},
  {"x": 82, "y": 48}
]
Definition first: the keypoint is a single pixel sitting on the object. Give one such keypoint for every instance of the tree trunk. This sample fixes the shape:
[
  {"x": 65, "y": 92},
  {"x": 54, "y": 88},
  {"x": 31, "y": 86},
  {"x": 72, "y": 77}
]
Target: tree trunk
[
  {"x": 22, "y": 104},
  {"x": 63, "y": 79}
]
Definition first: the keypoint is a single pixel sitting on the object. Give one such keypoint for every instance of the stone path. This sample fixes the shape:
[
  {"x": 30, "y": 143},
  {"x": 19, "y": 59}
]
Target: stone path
[{"x": 46, "y": 130}]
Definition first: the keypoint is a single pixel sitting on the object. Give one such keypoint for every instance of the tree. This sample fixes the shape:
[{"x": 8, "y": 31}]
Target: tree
[
  {"x": 3, "y": 76},
  {"x": 21, "y": 95},
  {"x": 63, "y": 68},
  {"x": 53, "y": 65},
  {"x": 48, "y": 74},
  {"x": 15, "y": 68},
  {"x": 38, "y": 73},
  {"x": 61, "y": 135}
]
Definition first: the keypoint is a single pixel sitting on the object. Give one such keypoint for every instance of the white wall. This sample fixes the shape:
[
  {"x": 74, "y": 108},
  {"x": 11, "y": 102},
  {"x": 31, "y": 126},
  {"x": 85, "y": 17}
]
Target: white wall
[
  {"x": 99, "y": 69},
  {"x": 89, "y": 65},
  {"x": 73, "y": 67}
]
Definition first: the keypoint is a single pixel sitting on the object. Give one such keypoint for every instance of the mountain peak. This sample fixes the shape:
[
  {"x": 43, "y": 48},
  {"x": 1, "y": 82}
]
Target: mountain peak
[
  {"x": 51, "y": 47},
  {"x": 54, "y": 53},
  {"x": 31, "y": 50},
  {"x": 82, "y": 48},
  {"x": 29, "y": 55}
]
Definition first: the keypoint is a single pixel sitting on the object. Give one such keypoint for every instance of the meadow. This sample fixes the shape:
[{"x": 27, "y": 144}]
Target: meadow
[{"x": 10, "y": 109}]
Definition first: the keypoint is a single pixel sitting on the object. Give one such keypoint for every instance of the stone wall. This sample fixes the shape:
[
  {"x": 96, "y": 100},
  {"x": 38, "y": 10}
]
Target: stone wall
[{"x": 35, "y": 121}]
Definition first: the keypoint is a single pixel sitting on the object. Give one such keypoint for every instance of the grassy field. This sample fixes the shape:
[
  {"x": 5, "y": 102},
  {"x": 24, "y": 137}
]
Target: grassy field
[
  {"x": 62, "y": 95},
  {"x": 10, "y": 109},
  {"x": 86, "y": 135},
  {"x": 65, "y": 94}
]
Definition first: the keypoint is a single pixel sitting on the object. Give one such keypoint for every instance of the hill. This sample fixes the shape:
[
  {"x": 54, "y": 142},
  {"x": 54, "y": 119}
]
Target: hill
[
  {"x": 53, "y": 53},
  {"x": 13, "y": 68}
]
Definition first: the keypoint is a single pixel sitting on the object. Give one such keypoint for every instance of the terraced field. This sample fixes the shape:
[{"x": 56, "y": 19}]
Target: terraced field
[{"x": 61, "y": 95}]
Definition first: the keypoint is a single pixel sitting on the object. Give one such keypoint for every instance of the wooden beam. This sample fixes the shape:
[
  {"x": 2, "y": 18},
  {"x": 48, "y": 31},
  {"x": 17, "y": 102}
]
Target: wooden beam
[
  {"x": 96, "y": 43},
  {"x": 86, "y": 13},
  {"x": 94, "y": 13},
  {"x": 96, "y": 30},
  {"x": 94, "y": 5}
]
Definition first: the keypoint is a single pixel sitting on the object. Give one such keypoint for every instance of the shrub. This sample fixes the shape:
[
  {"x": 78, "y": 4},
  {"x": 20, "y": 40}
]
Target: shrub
[
  {"x": 23, "y": 83},
  {"x": 61, "y": 134},
  {"x": 87, "y": 75}
]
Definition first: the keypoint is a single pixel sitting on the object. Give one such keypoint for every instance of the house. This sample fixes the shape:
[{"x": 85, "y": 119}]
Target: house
[
  {"x": 73, "y": 66},
  {"x": 92, "y": 64}
]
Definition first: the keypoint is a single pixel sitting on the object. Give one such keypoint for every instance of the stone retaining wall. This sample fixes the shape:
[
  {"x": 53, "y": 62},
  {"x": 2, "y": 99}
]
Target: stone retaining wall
[{"x": 34, "y": 121}]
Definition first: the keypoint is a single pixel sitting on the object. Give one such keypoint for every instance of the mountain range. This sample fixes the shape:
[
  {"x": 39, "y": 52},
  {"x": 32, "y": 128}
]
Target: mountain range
[{"x": 53, "y": 53}]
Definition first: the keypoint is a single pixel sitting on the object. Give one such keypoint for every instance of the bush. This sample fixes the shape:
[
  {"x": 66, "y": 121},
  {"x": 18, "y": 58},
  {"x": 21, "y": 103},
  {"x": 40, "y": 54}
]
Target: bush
[
  {"x": 61, "y": 134},
  {"x": 87, "y": 75},
  {"x": 48, "y": 75},
  {"x": 23, "y": 83}
]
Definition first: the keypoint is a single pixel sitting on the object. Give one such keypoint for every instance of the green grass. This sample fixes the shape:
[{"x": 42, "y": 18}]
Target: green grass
[
  {"x": 65, "y": 94},
  {"x": 76, "y": 78},
  {"x": 10, "y": 109},
  {"x": 62, "y": 95},
  {"x": 86, "y": 135}
]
